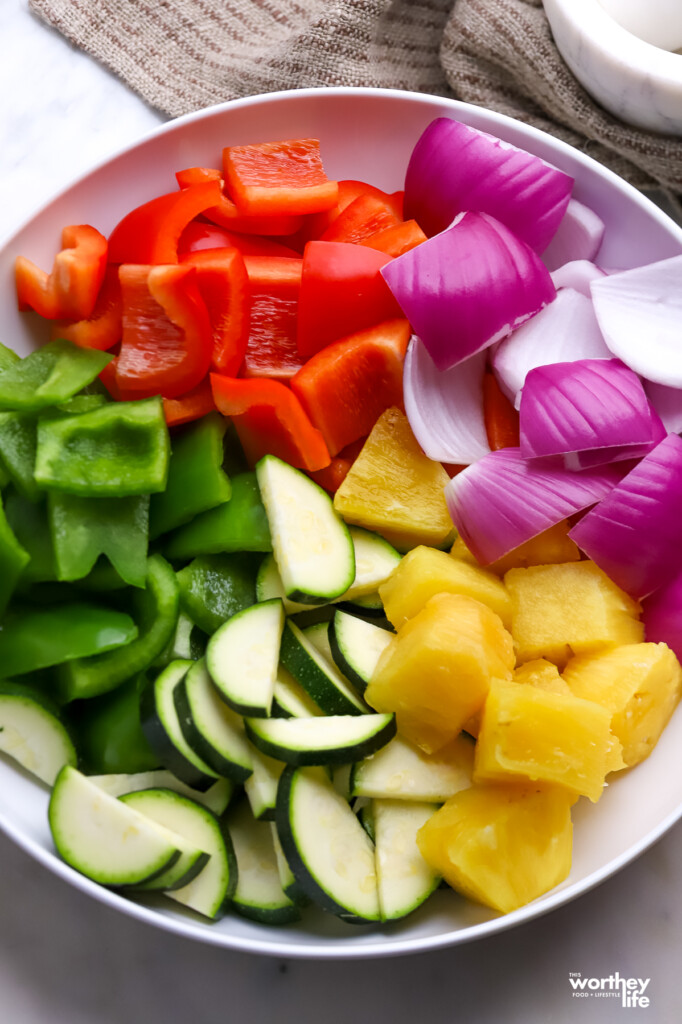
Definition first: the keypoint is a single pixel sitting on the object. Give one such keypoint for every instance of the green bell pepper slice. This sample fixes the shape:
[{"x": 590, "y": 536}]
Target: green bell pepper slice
[
  {"x": 213, "y": 588},
  {"x": 32, "y": 638},
  {"x": 7, "y": 358},
  {"x": 109, "y": 736},
  {"x": 156, "y": 616},
  {"x": 196, "y": 481},
  {"x": 13, "y": 561},
  {"x": 117, "y": 450},
  {"x": 82, "y": 529},
  {"x": 238, "y": 525},
  {"x": 51, "y": 374},
  {"x": 18, "y": 442},
  {"x": 29, "y": 523}
]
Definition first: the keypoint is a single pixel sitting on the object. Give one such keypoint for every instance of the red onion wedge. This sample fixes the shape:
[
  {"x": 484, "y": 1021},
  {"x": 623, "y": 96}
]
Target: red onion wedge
[
  {"x": 578, "y": 274},
  {"x": 578, "y": 237},
  {"x": 455, "y": 167},
  {"x": 445, "y": 410},
  {"x": 567, "y": 329},
  {"x": 640, "y": 315},
  {"x": 668, "y": 404},
  {"x": 468, "y": 287},
  {"x": 662, "y": 616},
  {"x": 504, "y": 500},
  {"x": 635, "y": 533},
  {"x": 587, "y": 404}
]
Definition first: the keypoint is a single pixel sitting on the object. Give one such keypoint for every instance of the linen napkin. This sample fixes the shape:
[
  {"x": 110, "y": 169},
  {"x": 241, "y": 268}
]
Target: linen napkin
[{"x": 181, "y": 55}]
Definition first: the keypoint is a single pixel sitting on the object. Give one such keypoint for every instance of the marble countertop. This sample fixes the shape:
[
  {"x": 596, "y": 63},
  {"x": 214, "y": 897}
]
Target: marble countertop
[{"x": 66, "y": 959}]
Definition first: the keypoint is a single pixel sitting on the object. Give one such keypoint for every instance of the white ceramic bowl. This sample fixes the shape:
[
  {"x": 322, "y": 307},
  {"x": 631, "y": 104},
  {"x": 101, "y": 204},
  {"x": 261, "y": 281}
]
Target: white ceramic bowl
[
  {"x": 633, "y": 79},
  {"x": 366, "y": 134}
]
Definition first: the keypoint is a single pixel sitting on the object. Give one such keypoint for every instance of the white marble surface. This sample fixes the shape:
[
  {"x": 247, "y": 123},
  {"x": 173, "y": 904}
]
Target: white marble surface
[{"x": 65, "y": 959}]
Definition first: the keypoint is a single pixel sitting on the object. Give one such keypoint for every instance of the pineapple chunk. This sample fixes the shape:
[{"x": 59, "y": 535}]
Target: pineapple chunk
[
  {"x": 571, "y": 608},
  {"x": 548, "y": 548},
  {"x": 640, "y": 684},
  {"x": 527, "y": 733},
  {"x": 436, "y": 671},
  {"x": 543, "y": 674},
  {"x": 501, "y": 845},
  {"x": 393, "y": 488},
  {"x": 424, "y": 572}
]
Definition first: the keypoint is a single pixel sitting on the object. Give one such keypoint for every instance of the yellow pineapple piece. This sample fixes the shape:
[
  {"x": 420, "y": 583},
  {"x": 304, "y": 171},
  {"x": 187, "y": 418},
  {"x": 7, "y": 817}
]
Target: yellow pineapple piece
[
  {"x": 436, "y": 671},
  {"x": 393, "y": 488},
  {"x": 528, "y": 733},
  {"x": 548, "y": 548},
  {"x": 543, "y": 674},
  {"x": 424, "y": 572},
  {"x": 640, "y": 684},
  {"x": 570, "y": 608},
  {"x": 501, "y": 845}
]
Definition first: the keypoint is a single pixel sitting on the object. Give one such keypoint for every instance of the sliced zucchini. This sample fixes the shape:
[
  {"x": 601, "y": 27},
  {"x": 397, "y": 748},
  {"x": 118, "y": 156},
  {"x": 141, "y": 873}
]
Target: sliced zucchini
[
  {"x": 242, "y": 657},
  {"x": 369, "y": 605},
  {"x": 102, "y": 838},
  {"x": 356, "y": 646},
  {"x": 318, "y": 635},
  {"x": 216, "y": 798},
  {"x": 290, "y": 699},
  {"x": 341, "y": 780},
  {"x": 209, "y": 893},
  {"x": 161, "y": 726},
  {"x": 326, "y": 847},
  {"x": 403, "y": 772},
  {"x": 404, "y": 878},
  {"x": 269, "y": 584},
  {"x": 334, "y": 739},
  {"x": 261, "y": 785},
  {"x": 375, "y": 560},
  {"x": 259, "y": 894},
  {"x": 32, "y": 733},
  {"x": 287, "y": 878},
  {"x": 191, "y": 861},
  {"x": 321, "y": 680},
  {"x": 212, "y": 729},
  {"x": 365, "y": 811},
  {"x": 310, "y": 541}
]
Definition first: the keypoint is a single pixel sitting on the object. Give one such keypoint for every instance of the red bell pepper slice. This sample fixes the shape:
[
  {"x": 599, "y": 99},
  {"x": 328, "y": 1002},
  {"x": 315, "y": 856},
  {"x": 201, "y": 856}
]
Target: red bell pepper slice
[
  {"x": 101, "y": 330},
  {"x": 167, "y": 340},
  {"x": 396, "y": 240},
  {"x": 349, "y": 190},
  {"x": 224, "y": 287},
  {"x": 363, "y": 217},
  {"x": 342, "y": 292},
  {"x": 346, "y": 387},
  {"x": 269, "y": 419},
  {"x": 284, "y": 177},
  {"x": 274, "y": 286},
  {"x": 70, "y": 291},
  {"x": 150, "y": 233},
  {"x": 199, "y": 237},
  {"x": 196, "y": 403},
  {"x": 500, "y": 417},
  {"x": 333, "y": 475},
  {"x": 225, "y": 213}
]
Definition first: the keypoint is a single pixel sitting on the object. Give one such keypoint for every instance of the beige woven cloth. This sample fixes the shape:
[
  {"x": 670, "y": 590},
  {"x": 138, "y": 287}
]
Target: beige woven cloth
[{"x": 181, "y": 55}]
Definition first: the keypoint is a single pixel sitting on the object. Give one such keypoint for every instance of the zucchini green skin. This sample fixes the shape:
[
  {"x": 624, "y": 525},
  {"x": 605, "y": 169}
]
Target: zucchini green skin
[
  {"x": 253, "y": 844},
  {"x": 225, "y": 651},
  {"x": 358, "y": 674},
  {"x": 300, "y": 756},
  {"x": 304, "y": 662}
]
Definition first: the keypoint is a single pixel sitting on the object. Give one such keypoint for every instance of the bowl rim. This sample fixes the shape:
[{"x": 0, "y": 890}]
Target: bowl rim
[{"x": 339, "y": 948}]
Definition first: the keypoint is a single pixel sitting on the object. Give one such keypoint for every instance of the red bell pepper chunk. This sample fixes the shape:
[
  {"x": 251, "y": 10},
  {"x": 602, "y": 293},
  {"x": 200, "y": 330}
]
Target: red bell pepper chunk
[
  {"x": 396, "y": 240},
  {"x": 225, "y": 213},
  {"x": 500, "y": 417},
  {"x": 196, "y": 403},
  {"x": 350, "y": 190},
  {"x": 363, "y": 217},
  {"x": 269, "y": 419},
  {"x": 346, "y": 387},
  {"x": 333, "y": 475},
  {"x": 101, "y": 330},
  {"x": 224, "y": 287},
  {"x": 150, "y": 233},
  {"x": 274, "y": 285},
  {"x": 70, "y": 291},
  {"x": 167, "y": 339},
  {"x": 199, "y": 236},
  {"x": 279, "y": 178},
  {"x": 342, "y": 292}
]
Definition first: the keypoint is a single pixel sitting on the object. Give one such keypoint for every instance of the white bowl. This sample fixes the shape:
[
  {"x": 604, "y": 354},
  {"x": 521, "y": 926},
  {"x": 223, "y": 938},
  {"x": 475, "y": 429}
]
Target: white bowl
[
  {"x": 638, "y": 82},
  {"x": 366, "y": 134}
]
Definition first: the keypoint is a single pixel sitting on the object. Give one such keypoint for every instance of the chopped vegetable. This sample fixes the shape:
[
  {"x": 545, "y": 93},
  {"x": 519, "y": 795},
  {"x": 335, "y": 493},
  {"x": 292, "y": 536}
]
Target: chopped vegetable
[
  {"x": 578, "y": 236},
  {"x": 150, "y": 233},
  {"x": 279, "y": 178},
  {"x": 70, "y": 291}
]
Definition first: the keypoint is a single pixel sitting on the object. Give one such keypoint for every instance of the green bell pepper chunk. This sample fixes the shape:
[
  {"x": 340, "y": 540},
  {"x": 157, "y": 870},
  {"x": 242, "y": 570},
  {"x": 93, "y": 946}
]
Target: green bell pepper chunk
[
  {"x": 238, "y": 525},
  {"x": 109, "y": 737},
  {"x": 213, "y": 588},
  {"x": 196, "y": 481},
  {"x": 80, "y": 404},
  {"x": 102, "y": 579},
  {"x": 29, "y": 522},
  {"x": 82, "y": 529},
  {"x": 32, "y": 638},
  {"x": 51, "y": 374},
  {"x": 13, "y": 560},
  {"x": 4, "y": 477},
  {"x": 7, "y": 358},
  {"x": 18, "y": 440},
  {"x": 117, "y": 450},
  {"x": 156, "y": 616}
]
